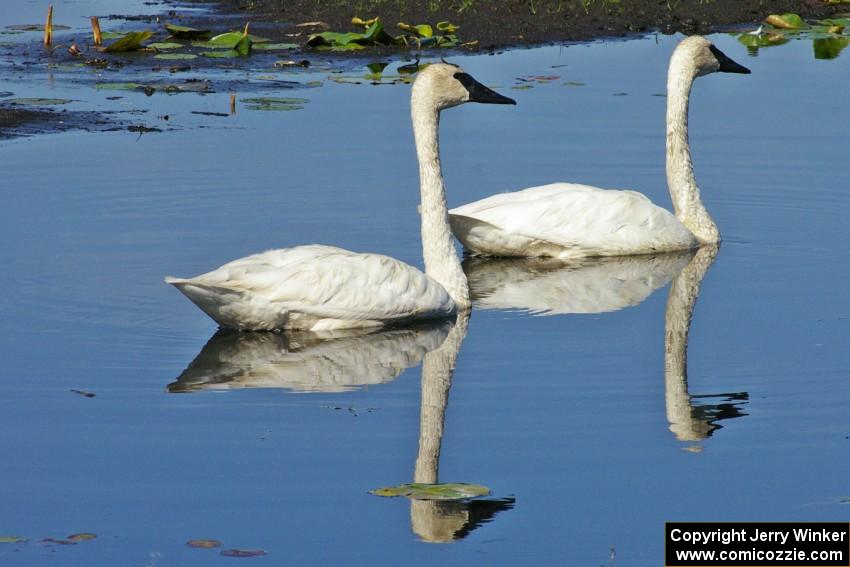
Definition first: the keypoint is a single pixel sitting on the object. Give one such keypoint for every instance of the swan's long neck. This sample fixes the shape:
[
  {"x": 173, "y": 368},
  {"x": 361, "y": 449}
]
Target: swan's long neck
[
  {"x": 680, "y": 170},
  {"x": 677, "y": 323},
  {"x": 438, "y": 249}
]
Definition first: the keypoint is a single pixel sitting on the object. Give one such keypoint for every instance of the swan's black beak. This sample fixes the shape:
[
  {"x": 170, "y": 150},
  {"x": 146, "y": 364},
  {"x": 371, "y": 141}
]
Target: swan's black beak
[
  {"x": 480, "y": 93},
  {"x": 726, "y": 64}
]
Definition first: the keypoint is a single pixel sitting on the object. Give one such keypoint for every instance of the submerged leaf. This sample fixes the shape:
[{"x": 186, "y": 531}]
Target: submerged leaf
[
  {"x": 35, "y": 27},
  {"x": 243, "y": 552},
  {"x": 38, "y": 101},
  {"x": 12, "y": 539},
  {"x": 130, "y": 42},
  {"x": 85, "y": 536},
  {"x": 442, "y": 491}
]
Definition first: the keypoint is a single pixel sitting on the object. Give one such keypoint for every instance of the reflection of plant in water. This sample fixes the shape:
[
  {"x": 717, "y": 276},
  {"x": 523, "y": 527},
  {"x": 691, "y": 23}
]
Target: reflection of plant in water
[{"x": 828, "y": 39}]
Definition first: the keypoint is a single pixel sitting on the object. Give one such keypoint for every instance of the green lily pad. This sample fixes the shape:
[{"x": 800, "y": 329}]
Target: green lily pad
[
  {"x": 786, "y": 21},
  {"x": 12, "y": 539},
  {"x": 830, "y": 48},
  {"x": 165, "y": 45},
  {"x": 38, "y": 101},
  {"x": 130, "y": 42},
  {"x": 183, "y": 32},
  {"x": 118, "y": 86},
  {"x": 228, "y": 40},
  {"x": 224, "y": 54},
  {"x": 275, "y": 46},
  {"x": 175, "y": 56},
  {"x": 111, "y": 34},
  {"x": 442, "y": 491},
  {"x": 754, "y": 41}
]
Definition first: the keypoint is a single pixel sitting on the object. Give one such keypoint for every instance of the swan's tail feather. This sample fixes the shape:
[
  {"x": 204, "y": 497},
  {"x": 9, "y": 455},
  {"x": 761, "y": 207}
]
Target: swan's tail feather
[{"x": 231, "y": 308}]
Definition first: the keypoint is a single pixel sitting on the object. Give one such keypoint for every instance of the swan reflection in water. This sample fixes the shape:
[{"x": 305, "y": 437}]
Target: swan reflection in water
[
  {"x": 432, "y": 520},
  {"x": 306, "y": 361},
  {"x": 547, "y": 286},
  {"x": 339, "y": 361}
]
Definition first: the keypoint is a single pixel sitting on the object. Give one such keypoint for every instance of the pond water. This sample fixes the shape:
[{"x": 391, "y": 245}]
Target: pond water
[{"x": 580, "y": 421}]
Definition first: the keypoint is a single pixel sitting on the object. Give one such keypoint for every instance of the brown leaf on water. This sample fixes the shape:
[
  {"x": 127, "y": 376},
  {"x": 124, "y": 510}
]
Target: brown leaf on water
[
  {"x": 243, "y": 552},
  {"x": 84, "y": 536},
  {"x": 203, "y": 543}
]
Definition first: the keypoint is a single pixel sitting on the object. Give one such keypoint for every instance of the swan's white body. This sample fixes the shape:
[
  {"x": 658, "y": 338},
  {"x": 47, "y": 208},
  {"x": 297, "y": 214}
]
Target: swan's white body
[
  {"x": 315, "y": 287},
  {"x": 567, "y": 220},
  {"x": 321, "y": 288}
]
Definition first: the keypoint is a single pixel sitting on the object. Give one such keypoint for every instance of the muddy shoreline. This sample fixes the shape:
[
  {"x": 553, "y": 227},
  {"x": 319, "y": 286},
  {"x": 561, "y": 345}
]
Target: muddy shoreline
[{"x": 513, "y": 23}]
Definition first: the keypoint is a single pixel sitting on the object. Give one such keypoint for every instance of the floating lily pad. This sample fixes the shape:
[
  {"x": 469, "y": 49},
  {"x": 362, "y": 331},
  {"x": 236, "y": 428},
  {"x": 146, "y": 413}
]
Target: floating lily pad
[
  {"x": 203, "y": 543},
  {"x": 118, "y": 86},
  {"x": 754, "y": 41},
  {"x": 12, "y": 539},
  {"x": 175, "y": 56},
  {"x": 183, "y": 32},
  {"x": 111, "y": 34},
  {"x": 81, "y": 537},
  {"x": 224, "y": 54},
  {"x": 35, "y": 27},
  {"x": 243, "y": 552},
  {"x": 130, "y": 42},
  {"x": 442, "y": 491},
  {"x": 786, "y": 21},
  {"x": 39, "y": 101},
  {"x": 230, "y": 40},
  {"x": 161, "y": 45}
]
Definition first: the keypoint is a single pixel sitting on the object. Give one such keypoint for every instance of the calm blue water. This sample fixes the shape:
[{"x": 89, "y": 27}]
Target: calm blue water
[{"x": 564, "y": 413}]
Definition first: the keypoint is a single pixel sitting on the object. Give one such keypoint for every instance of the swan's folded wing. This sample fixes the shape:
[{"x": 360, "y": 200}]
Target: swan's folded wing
[
  {"x": 325, "y": 282},
  {"x": 587, "y": 219}
]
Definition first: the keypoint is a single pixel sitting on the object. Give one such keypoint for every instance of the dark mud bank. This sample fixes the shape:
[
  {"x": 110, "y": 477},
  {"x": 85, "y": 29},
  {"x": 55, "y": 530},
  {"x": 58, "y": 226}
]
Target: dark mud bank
[{"x": 528, "y": 22}]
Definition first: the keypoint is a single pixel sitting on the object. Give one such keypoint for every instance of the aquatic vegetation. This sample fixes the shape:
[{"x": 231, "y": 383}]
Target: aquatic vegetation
[
  {"x": 130, "y": 41},
  {"x": 441, "y": 491},
  {"x": 827, "y": 36},
  {"x": 418, "y": 35}
]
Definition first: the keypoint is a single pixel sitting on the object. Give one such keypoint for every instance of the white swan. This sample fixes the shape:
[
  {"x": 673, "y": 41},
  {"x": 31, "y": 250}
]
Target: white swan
[
  {"x": 321, "y": 287},
  {"x": 567, "y": 220}
]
